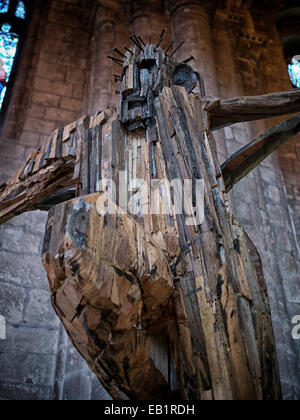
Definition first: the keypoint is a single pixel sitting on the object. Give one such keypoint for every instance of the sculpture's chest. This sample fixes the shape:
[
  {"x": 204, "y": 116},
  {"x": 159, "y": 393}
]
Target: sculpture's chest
[{"x": 146, "y": 174}]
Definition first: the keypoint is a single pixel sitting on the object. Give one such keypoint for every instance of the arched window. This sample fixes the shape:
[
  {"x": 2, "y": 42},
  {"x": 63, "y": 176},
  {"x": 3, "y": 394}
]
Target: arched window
[
  {"x": 294, "y": 71},
  {"x": 13, "y": 22}
]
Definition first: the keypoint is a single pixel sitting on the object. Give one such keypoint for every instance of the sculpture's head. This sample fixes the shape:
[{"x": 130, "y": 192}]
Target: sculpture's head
[{"x": 147, "y": 69}]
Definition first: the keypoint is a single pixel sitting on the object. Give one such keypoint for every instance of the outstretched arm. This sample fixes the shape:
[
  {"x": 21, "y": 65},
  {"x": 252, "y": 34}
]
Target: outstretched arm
[
  {"x": 250, "y": 108},
  {"x": 49, "y": 171},
  {"x": 249, "y": 157}
]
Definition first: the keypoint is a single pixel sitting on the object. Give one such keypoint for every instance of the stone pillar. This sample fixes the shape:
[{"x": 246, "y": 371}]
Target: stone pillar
[
  {"x": 223, "y": 28},
  {"x": 102, "y": 88},
  {"x": 191, "y": 23},
  {"x": 140, "y": 18},
  {"x": 260, "y": 199},
  {"x": 147, "y": 19}
]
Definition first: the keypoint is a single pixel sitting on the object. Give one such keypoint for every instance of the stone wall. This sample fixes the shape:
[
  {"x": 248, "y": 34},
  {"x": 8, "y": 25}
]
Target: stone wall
[
  {"x": 64, "y": 73},
  {"x": 36, "y": 360}
]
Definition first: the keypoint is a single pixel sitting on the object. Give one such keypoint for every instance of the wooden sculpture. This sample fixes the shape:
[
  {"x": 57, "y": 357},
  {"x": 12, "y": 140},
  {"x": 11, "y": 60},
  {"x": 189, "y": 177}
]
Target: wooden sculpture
[{"x": 160, "y": 305}]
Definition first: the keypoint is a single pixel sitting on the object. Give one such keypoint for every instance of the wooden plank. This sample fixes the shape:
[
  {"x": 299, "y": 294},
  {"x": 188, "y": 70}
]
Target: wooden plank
[
  {"x": 249, "y": 157},
  {"x": 93, "y": 272},
  {"x": 250, "y": 108}
]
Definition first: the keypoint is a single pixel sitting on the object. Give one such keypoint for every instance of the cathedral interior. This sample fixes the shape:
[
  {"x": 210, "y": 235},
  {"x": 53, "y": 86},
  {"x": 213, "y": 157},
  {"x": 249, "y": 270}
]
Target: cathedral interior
[{"x": 58, "y": 71}]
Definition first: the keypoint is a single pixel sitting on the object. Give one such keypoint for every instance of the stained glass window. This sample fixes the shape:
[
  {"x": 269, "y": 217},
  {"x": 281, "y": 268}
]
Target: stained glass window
[
  {"x": 4, "y": 4},
  {"x": 294, "y": 71},
  {"x": 21, "y": 10},
  {"x": 8, "y": 48}
]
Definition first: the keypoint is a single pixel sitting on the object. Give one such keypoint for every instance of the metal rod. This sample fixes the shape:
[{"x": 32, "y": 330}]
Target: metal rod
[
  {"x": 160, "y": 39},
  {"x": 177, "y": 49},
  {"x": 119, "y": 52},
  {"x": 134, "y": 39},
  {"x": 169, "y": 47},
  {"x": 158, "y": 44},
  {"x": 140, "y": 39},
  {"x": 115, "y": 60},
  {"x": 127, "y": 49},
  {"x": 162, "y": 34},
  {"x": 191, "y": 58}
]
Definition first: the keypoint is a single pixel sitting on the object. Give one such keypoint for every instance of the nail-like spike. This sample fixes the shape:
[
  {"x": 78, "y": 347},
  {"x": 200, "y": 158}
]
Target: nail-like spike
[
  {"x": 116, "y": 60},
  {"x": 140, "y": 39},
  {"x": 138, "y": 42},
  {"x": 162, "y": 34},
  {"x": 117, "y": 92},
  {"x": 117, "y": 77},
  {"x": 177, "y": 49},
  {"x": 191, "y": 58},
  {"x": 160, "y": 39},
  {"x": 127, "y": 49},
  {"x": 158, "y": 44},
  {"x": 119, "y": 52},
  {"x": 169, "y": 47},
  {"x": 134, "y": 39}
]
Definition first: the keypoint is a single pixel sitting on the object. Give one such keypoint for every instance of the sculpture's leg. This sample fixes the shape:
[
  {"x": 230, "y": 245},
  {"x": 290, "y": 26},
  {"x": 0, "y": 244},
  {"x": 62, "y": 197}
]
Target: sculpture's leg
[{"x": 110, "y": 283}]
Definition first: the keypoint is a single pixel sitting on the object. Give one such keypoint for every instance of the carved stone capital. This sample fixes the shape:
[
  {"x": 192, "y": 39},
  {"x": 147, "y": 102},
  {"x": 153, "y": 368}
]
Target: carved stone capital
[
  {"x": 248, "y": 45},
  {"x": 174, "y": 6},
  {"x": 105, "y": 14}
]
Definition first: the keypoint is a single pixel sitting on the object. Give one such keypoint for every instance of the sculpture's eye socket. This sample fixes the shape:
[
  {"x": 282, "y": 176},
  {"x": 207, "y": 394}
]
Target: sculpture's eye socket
[
  {"x": 147, "y": 64},
  {"x": 184, "y": 75}
]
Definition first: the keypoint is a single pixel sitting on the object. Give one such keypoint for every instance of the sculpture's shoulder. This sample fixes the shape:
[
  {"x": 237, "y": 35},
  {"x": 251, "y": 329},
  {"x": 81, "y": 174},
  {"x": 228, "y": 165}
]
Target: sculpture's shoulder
[
  {"x": 103, "y": 116},
  {"x": 90, "y": 121},
  {"x": 179, "y": 96}
]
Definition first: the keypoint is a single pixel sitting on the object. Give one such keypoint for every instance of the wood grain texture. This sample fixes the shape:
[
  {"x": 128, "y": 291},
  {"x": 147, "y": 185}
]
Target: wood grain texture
[
  {"x": 250, "y": 108},
  {"x": 249, "y": 157},
  {"x": 160, "y": 304},
  {"x": 161, "y": 308},
  {"x": 110, "y": 283}
]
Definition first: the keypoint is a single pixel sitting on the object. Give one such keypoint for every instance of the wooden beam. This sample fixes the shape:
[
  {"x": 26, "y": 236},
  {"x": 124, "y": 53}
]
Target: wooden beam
[
  {"x": 249, "y": 157},
  {"x": 17, "y": 196},
  {"x": 57, "y": 198},
  {"x": 250, "y": 108}
]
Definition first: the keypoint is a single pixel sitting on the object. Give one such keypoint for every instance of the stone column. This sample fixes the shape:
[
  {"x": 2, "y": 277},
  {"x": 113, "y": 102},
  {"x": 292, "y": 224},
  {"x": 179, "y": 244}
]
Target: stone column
[
  {"x": 102, "y": 89},
  {"x": 229, "y": 78},
  {"x": 140, "y": 18},
  {"x": 147, "y": 19},
  {"x": 191, "y": 23},
  {"x": 260, "y": 199}
]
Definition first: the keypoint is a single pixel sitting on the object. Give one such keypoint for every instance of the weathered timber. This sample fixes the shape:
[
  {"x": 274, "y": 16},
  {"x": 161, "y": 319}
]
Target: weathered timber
[
  {"x": 218, "y": 283},
  {"x": 21, "y": 196},
  {"x": 110, "y": 284},
  {"x": 250, "y": 108},
  {"x": 249, "y": 157},
  {"x": 160, "y": 301},
  {"x": 45, "y": 173}
]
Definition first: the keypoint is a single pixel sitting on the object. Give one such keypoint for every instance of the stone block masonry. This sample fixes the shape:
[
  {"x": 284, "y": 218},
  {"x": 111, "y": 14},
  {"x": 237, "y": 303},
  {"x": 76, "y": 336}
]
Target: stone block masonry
[{"x": 36, "y": 360}]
